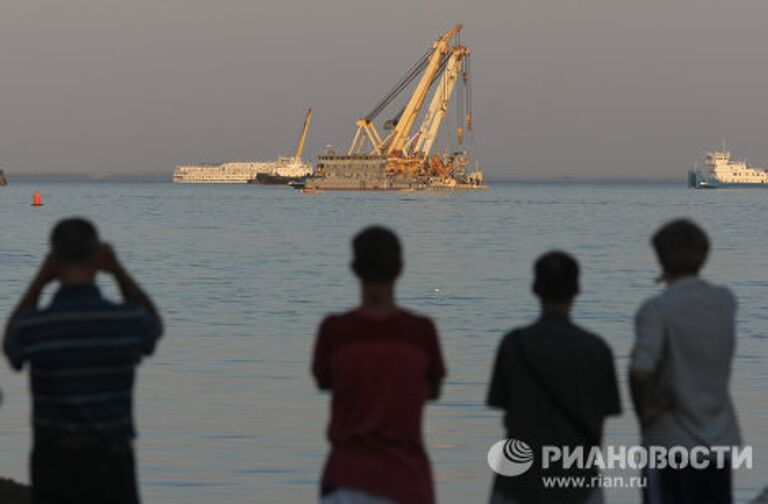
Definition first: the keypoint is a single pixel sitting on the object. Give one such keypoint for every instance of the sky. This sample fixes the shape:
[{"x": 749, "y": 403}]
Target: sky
[{"x": 561, "y": 88}]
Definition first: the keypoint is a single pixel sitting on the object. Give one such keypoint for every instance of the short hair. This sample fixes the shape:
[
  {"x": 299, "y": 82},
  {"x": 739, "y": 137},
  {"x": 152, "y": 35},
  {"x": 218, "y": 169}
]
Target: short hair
[
  {"x": 74, "y": 241},
  {"x": 377, "y": 255},
  {"x": 556, "y": 277},
  {"x": 681, "y": 247}
]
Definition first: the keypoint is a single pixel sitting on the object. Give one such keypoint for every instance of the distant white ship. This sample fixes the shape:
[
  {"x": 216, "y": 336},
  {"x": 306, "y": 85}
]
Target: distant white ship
[
  {"x": 721, "y": 171},
  {"x": 239, "y": 172},
  {"x": 243, "y": 172}
]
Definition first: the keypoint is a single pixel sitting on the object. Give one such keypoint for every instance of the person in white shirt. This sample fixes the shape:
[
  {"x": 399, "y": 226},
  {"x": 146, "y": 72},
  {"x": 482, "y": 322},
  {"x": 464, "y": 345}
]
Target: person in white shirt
[{"x": 680, "y": 368}]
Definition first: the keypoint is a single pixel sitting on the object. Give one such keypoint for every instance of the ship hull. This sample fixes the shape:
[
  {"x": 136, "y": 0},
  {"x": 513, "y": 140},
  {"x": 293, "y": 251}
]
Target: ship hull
[
  {"x": 370, "y": 184},
  {"x": 314, "y": 188},
  {"x": 697, "y": 180},
  {"x": 220, "y": 182},
  {"x": 370, "y": 173},
  {"x": 270, "y": 179},
  {"x": 730, "y": 185}
]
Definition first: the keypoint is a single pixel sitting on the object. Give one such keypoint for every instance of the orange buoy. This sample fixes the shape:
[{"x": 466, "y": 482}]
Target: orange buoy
[{"x": 37, "y": 199}]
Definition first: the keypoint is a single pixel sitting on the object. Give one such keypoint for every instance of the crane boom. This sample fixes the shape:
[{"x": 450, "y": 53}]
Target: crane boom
[
  {"x": 303, "y": 137},
  {"x": 440, "y": 100},
  {"x": 401, "y": 132}
]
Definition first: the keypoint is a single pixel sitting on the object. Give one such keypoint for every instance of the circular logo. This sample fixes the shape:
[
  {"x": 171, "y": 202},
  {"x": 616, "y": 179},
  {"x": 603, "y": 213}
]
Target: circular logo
[{"x": 510, "y": 457}]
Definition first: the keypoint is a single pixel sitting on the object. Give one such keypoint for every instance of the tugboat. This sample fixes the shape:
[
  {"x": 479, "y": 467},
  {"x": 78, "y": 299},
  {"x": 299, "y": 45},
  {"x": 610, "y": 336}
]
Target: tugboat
[
  {"x": 288, "y": 170},
  {"x": 722, "y": 171}
]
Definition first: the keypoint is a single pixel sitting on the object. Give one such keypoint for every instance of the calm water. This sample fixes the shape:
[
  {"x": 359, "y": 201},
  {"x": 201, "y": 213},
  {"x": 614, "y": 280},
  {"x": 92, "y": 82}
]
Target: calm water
[{"x": 226, "y": 410}]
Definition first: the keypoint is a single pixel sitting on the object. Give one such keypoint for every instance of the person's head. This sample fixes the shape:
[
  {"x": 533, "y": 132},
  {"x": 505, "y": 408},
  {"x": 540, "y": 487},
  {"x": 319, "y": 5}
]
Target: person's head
[
  {"x": 75, "y": 246},
  {"x": 556, "y": 278},
  {"x": 681, "y": 248},
  {"x": 377, "y": 256}
]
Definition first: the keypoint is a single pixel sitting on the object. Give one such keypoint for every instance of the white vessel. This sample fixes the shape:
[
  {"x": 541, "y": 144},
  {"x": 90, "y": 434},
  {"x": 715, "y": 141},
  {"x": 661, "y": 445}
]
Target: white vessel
[
  {"x": 239, "y": 172},
  {"x": 722, "y": 171},
  {"x": 243, "y": 172}
]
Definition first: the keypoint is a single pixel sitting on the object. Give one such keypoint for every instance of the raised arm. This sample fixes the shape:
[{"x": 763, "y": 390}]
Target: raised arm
[
  {"x": 45, "y": 275},
  {"x": 129, "y": 289},
  {"x": 30, "y": 301}
]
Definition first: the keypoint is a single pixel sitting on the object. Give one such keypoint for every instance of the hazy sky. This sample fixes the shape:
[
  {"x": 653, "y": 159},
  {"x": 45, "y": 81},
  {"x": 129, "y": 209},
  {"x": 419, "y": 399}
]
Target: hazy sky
[{"x": 561, "y": 88}]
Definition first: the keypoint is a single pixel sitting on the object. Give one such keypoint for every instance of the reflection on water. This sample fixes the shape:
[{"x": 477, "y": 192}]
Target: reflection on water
[{"x": 226, "y": 410}]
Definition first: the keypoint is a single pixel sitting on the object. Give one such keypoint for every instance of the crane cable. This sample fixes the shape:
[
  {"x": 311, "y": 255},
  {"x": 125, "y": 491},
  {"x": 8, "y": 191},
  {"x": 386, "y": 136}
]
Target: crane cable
[
  {"x": 472, "y": 140},
  {"x": 467, "y": 82},
  {"x": 468, "y": 90},
  {"x": 412, "y": 73},
  {"x": 440, "y": 71},
  {"x": 460, "y": 93}
]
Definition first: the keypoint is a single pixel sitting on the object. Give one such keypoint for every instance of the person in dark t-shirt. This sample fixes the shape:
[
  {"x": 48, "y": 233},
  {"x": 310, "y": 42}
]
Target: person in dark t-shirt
[
  {"x": 381, "y": 364},
  {"x": 556, "y": 383}
]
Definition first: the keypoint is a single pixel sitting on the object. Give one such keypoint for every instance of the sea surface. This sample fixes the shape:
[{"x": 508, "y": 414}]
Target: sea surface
[{"x": 226, "y": 409}]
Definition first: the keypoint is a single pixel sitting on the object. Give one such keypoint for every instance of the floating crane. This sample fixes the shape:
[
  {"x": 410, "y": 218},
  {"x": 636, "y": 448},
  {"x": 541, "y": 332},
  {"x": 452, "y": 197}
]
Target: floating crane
[{"x": 408, "y": 153}]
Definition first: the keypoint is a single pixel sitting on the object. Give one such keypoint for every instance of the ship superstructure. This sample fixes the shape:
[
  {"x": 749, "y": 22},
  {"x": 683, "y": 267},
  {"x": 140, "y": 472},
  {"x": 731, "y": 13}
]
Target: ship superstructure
[
  {"x": 238, "y": 172},
  {"x": 722, "y": 171},
  {"x": 289, "y": 169},
  {"x": 404, "y": 158}
]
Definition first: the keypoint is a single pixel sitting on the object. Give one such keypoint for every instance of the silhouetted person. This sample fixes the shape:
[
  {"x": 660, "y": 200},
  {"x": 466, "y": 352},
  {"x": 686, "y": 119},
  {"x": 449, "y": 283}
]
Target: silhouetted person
[
  {"x": 681, "y": 366},
  {"x": 82, "y": 351},
  {"x": 556, "y": 383},
  {"x": 381, "y": 364}
]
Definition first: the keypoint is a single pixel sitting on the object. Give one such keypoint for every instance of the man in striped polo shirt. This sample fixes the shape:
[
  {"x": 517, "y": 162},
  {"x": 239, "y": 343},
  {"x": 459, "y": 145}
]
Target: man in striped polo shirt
[{"x": 82, "y": 351}]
